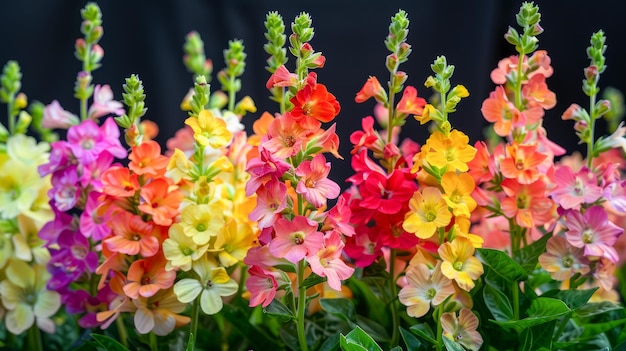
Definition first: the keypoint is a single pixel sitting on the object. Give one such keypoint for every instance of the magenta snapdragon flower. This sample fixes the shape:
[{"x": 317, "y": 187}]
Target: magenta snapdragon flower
[
  {"x": 573, "y": 189},
  {"x": 296, "y": 239},
  {"x": 70, "y": 260},
  {"x": 87, "y": 140}
]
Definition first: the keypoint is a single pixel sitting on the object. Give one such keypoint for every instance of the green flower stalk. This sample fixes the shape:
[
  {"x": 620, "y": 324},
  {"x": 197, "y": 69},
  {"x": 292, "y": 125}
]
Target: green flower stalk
[
  {"x": 195, "y": 59},
  {"x": 234, "y": 58},
  {"x": 275, "y": 47},
  {"x": 134, "y": 97},
  {"x": 11, "y": 82},
  {"x": 89, "y": 52}
]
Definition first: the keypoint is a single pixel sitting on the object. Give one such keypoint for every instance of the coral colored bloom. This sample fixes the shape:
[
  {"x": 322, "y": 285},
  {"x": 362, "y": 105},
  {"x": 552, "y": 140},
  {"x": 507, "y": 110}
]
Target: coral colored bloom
[
  {"x": 573, "y": 189},
  {"x": 314, "y": 104},
  {"x": 119, "y": 182},
  {"x": 562, "y": 260},
  {"x": 282, "y": 78},
  {"x": 527, "y": 203},
  {"x": 295, "y": 239},
  {"x": 424, "y": 288},
  {"x": 159, "y": 313},
  {"x": 366, "y": 138},
  {"x": 159, "y": 202},
  {"x": 285, "y": 137},
  {"x": 314, "y": 184},
  {"x": 594, "y": 232},
  {"x": 452, "y": 151},
  {"x": 214, "y": 284},
  {"x": 371, "y": 88},
  {"x": 462, "y": 330},
  {"x": 209, "y": 130},
  {"x": 327, "y": 261},
  {"x": 536, "y": 93},
  {"x": 147, "y": 276},
  {"x": 522, "y": 163},
  {"x": 429, "y": 211},
  {"x": 132, "y": 236},
  {"x": 410, "y": 103},
  {"x": 147, "y": 159},
  {"x": 499, "y": 110},
  {"x": 271, "y": 201},
  {"x": 457, "y": 190},
  {"x": 459, "y": 262}
]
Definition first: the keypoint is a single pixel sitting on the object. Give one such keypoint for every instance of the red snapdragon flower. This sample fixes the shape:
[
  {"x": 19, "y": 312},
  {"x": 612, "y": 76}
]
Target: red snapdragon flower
[{"x": 314, "y": 104}]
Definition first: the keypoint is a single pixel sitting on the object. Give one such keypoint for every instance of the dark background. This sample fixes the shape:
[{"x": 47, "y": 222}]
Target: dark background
[{"x": 146, "y": 38}]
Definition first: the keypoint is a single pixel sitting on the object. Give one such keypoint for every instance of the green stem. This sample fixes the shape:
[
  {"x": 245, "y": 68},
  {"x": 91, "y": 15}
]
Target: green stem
[
  {"x": 592, "y": 122},
  {"x": 393, "y": 293},
  {"x": 301, "y": 306},
  {"x": 193, "y": 330},
  {"x": 231, "y": 94},
  {"x": 518, "y": 82},
  {"x": 34, "y": 338},
  {"x": 391, "y": 111},
  {"x": 154, "y": 345},
  {"x": 438, "y": 313},
  {"x": 515, "y": 291},
  {"x": 11, "y": 115},
  {"x": 121, "y": 330},
  {"x": 282, "y": 100},
  {"x": 562, "y": 326}
]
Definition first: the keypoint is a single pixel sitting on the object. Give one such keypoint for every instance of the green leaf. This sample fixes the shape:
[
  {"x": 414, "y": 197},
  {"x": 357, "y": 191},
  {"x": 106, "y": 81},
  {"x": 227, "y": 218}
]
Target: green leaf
[
  {"x": 342, "y": 308},
  {"x": 313, "y": 280},
  {"x": 331, "y": 344},
  {"x": 358, "y": 339},
  {"x": 497, "y": 303},
  {"x": 278, "y": 309},
  {"x": 502, "y": 264},
  {"x": 542, "y": 310},
  {"x": 412, "y": 342},
  {"x": 423, "y": 331},
  {"x": 596, "y": 308},
  {"x": 451, "y": 345},
  {"x": 376, "y": 309},
  {"x": 191, "y": 343},
  {"x": 575, "y": 299},
  {"x": 257, "y": 338},
  {"x": 538, "y": 337},
  {"x": 528, "y": 256},
  {"x": 375, "y": 330},
  {"x": 109, "y": 343},
  {"x": 598, "y": 328}
]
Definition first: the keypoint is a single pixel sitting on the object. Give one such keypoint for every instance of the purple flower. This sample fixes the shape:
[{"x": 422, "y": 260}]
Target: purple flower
[
  {"x": 71, "y": 260},
  {"x": 87, "y": 140},
  {"x": 91, "y": 172},
  {"x": 65, "y": 190},
  {"x": 60, "y": 157},
  {"x": 54, "y": 116},
  {"x": 51, "y": 230}
]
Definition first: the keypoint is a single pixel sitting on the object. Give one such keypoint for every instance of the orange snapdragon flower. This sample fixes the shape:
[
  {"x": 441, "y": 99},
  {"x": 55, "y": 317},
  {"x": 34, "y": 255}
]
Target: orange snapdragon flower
[
  {"x": 147, "y": 159},
  {"x": 522, "y": 163},
  {"x": 160, "y": 202},
  {"x": 527, "y": 203}
]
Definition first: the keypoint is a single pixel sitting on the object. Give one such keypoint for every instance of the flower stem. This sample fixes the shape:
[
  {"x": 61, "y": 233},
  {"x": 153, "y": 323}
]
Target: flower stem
[
  {"x": 301, "y": 306},
  {"x": 10, "y": 115},
  {"x": 231, "y": 94},
  {"x": 592, "y": 122},
  {"x": 121, "y": 330},
  {"x": 438, "y": 313},
  {"x": 34, "y": 338},
  {"x": 154, "y": 345},
  {"x": 393, "y": 293},
  {"x": 193, "y": 330},
  {"x": 515, "y": 290}
]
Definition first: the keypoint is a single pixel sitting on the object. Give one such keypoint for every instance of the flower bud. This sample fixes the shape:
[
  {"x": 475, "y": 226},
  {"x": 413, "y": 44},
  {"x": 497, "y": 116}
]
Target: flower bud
[
  {"x": 602, "y": 107},
  {"x": 404, "y": 51},
  {"x": 83, "y": 79},
  {"x": 580, "y": 126},
  {"x": 97, "y": 53},
  {"x": 591, "y": 72},
  {"x": 391, "y": 151},
  {"x": 399, "y": 78},
  {"x": 21, "y": 101},
  {"x": 392, "y": 62},
  {"x": 81, "y": 47},
  {"x": 536, "y": 29},
  {"x": 512, "y": 36},
  {"x": 23, "y": 122},
  {"x": 572, "y": 113}
]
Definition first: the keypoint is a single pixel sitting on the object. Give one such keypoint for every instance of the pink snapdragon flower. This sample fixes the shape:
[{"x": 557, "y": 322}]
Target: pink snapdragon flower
[
  {"x": 314, "y": 184},
  {"x": 573, "y": 189},
  {"x": 327, "y": 262},
  {"x": 262, "y": 286},
  {"x": 296, "y": 239},
  {"x": 55, "y": 117},
  {"x": 103, "y": 103},
  {"x": 271, "y": 200},
  {"x": 87, "y": 140},
  {"x": 594, "y": 232}
]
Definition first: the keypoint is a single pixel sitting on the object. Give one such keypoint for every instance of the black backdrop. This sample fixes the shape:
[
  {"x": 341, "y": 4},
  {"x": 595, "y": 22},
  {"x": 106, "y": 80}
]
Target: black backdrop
[{"x": 146, "y": 37}]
